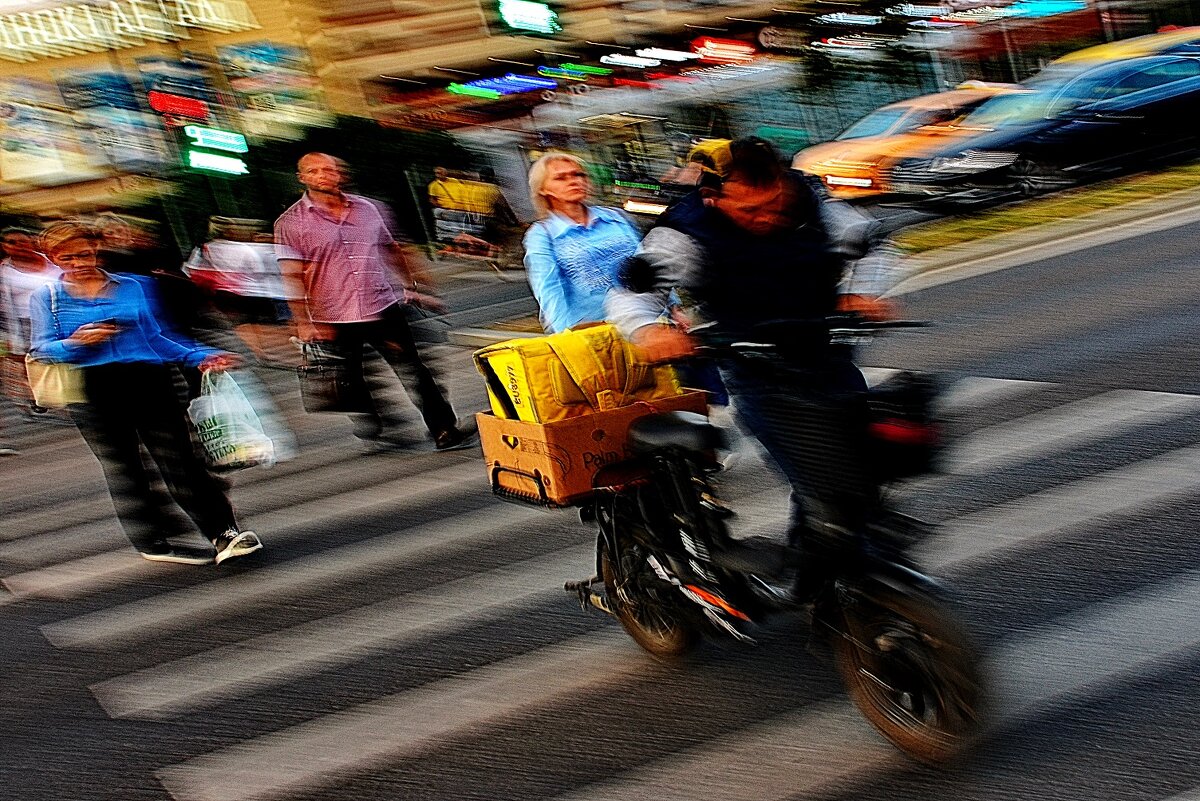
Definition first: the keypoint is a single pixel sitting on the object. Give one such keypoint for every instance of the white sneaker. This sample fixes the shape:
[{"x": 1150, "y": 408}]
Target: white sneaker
[{"x": 236, "y": 543}]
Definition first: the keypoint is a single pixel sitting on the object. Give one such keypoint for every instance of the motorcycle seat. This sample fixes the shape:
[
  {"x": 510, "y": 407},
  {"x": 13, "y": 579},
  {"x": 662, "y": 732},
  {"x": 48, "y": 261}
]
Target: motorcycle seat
[{"x": 686, "y": 430}]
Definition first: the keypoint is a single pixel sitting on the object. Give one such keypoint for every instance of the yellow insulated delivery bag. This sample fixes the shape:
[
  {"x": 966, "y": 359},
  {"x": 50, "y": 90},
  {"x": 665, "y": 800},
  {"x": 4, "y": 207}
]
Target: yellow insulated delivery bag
[{"x": 575, "y": 372}]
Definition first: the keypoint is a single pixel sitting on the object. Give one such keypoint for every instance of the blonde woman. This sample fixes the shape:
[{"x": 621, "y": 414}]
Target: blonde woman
[{"x": 574, "y": 252}]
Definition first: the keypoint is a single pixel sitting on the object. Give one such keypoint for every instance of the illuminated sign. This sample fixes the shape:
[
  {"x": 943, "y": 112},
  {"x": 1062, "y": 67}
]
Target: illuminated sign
[
  {"x": 562, "y": 73},
  {"x": 665, "y": 55},
  {"x": 472, "y": 91},
  {"x": 843, "y": 18},
  {"x": 587, "y": 69},
  {"x": 510, "y": 84},
  {"x": 524, "y": 15},
  {"x": 178, "y": 105},
  {"x": 227, "y": 165},
  {"x": 916, "y": 10},
  {"x": 637, "y": 62},
  {"x": 637, "y": 185},
  {"x": 68, "y": 30},
  {"x": 216, "y": 139},
  {"x": 722, "y": 51}
]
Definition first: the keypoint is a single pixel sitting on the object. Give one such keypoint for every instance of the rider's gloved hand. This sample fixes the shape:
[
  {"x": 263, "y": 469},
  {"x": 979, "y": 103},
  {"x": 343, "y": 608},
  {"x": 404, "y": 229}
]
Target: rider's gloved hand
[{"x": 662, "y": 343}]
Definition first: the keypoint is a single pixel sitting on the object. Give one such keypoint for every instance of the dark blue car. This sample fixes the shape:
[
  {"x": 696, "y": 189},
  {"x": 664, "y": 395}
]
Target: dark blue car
[{"x": 1065, "y": 127}]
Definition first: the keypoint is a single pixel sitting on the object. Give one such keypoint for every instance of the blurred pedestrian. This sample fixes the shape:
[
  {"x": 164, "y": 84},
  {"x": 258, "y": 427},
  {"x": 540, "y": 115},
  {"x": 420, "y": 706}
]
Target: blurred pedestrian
[
  {"x": 573, "y": 253},
  {"x": 337, "y": 249},
  {"x": 103, "y": 324},
  {"x": 244, "y": 281},
  {"x": 22, "y": 271}
]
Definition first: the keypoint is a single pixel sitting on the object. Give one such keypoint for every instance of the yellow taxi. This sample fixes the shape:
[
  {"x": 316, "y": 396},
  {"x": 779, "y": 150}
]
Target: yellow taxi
[{"x": 856, "y": 163}]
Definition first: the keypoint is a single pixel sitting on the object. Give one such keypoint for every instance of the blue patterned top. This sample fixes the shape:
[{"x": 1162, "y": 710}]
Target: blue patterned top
[{"x": 571, "y": 267}]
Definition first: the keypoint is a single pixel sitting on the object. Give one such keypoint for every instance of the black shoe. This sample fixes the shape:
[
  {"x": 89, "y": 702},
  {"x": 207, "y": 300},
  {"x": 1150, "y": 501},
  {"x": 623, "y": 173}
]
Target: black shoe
[
  {"x": 163, "y": 551},
  {"x": 236, "y": 543},
  {"x": 452, "y": 440}
]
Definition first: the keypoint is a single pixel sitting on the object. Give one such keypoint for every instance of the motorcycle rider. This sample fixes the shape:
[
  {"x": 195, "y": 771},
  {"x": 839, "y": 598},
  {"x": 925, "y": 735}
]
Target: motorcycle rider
[{"x": 749, "y": 248}]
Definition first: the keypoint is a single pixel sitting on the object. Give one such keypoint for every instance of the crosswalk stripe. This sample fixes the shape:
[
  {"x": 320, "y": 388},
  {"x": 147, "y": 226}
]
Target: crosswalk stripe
[
  {"x": 272, "y": 765},
  {"x": 90, "y": 503},
  {"x": 792, "y": 754},
  {"x": 812, "y": 749},
  {"x": 94, "y": 573},
  {"x": 215, "y": 676},
  {"x": 64, "y": 544},
  {"x": 1088, "y": 500},
  {"x": 1066, "y": 426},
  {"x": 151, "y": 617},
  {"x": 877, "y": 375},
  {"x": 976, "y": 391}
]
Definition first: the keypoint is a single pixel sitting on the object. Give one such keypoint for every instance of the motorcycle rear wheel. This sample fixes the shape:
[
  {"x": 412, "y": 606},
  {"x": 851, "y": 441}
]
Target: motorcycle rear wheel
[
  {"x": 654, "y": 622},
  {"x": 914, "y": 675}
]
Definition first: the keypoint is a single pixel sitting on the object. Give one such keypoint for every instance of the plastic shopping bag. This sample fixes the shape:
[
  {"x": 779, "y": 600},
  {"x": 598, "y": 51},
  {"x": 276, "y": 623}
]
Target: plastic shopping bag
[{"x": 227, "y": 426}]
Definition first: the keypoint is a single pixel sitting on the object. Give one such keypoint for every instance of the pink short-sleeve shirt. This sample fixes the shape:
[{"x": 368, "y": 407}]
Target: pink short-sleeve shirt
[{"x": 346, "y": 262}]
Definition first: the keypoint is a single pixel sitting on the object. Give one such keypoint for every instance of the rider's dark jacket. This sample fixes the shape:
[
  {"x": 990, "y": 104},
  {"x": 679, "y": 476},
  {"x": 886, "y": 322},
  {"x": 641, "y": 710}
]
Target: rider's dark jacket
[{"x": 736, "y": 279}]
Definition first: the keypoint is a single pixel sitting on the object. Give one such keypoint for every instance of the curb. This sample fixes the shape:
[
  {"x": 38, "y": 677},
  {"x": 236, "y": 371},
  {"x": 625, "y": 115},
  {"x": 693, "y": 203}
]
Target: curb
[{"x": 1098, "y": 220}]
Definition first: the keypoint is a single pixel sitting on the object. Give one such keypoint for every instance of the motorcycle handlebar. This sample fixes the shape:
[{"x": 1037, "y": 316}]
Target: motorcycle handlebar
[{"x": 780, "y": 334}]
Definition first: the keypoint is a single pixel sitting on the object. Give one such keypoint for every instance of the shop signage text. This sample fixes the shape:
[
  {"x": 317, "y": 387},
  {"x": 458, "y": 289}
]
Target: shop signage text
[{"x": 68, "y": 30}]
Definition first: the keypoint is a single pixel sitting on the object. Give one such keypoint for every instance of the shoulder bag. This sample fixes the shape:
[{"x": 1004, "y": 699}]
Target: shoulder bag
[{"x": 54, "y": 384}]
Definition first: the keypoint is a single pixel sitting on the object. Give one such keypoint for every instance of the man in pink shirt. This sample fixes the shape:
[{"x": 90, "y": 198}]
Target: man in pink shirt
[{"x": 337, "y": 249}]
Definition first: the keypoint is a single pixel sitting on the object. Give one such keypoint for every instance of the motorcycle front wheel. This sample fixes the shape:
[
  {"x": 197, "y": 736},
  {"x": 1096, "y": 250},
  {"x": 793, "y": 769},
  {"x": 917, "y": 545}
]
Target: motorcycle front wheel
[
  {"x": 913, "y": 673},
  {"x": 644, "y": 603}
]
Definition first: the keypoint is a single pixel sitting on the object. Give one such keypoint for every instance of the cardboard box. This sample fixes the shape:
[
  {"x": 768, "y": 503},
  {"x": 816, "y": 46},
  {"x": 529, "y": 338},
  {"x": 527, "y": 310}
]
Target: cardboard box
[
  {"x": 585, "y": 370},
  {"x": 553, "y": 464}
]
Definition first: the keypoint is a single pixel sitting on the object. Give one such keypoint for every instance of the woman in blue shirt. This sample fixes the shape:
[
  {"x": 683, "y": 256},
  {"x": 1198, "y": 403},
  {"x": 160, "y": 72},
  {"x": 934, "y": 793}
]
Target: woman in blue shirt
[
  {"x": 104, "y": 325},
  {"x": 574, "y": 251}
]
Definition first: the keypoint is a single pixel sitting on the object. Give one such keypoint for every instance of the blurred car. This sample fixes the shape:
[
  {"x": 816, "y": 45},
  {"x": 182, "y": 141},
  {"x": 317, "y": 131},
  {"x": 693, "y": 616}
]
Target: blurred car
[
  {"x": 1180, "y": 41},
  {"x": 1058, "y": 131},
  {"x": 856, "y": 163}
]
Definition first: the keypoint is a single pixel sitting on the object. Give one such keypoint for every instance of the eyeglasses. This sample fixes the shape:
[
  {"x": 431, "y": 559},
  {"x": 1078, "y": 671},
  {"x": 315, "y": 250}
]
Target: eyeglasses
[{"x": 567, "y": 176}]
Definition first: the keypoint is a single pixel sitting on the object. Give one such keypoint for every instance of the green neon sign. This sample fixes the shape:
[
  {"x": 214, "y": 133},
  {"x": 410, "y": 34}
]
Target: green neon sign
[
  {"x": 638, "y": 185},
  {"x": 525, "y": 15},
  {"x": 213, "y": 162},
  {"x": 472, "y": 91},
  {"x": 586, "y": 69},
  {"x": 216, "y": 139}
]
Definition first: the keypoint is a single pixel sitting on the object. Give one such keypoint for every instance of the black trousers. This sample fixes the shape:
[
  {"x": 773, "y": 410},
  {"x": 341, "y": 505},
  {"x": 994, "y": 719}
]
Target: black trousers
[
  {"x": 392, "y": 338},
  {"x": 131, "y": 406}
]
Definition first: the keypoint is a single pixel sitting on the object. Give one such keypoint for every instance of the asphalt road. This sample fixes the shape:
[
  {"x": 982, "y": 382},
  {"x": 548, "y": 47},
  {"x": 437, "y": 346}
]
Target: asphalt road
[{"x": 403, "y": 635}]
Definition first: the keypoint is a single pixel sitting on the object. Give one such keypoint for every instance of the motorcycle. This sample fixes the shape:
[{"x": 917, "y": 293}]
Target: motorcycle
[{"x": 669, "y": 571}]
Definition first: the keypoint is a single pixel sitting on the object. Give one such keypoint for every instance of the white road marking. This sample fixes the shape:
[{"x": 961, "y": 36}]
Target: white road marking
[
  {"x": 152, "y": 617},
  {"x": 90, "y": 574},
  {"x": 813, "y": 749},
  {"x": 276, "y": 764},
  {"x": 213, "y": 677},
  {"x": 1063, "y": 427}
]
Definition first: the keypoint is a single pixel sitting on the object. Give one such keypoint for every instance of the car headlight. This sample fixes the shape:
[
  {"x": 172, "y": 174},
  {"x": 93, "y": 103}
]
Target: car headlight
[{"x": 970, "y": 161}]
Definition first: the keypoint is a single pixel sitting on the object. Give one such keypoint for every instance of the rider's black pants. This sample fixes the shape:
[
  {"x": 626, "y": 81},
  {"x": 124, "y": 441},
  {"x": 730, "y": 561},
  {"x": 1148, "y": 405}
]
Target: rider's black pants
[{"x": 812, "y": 420}]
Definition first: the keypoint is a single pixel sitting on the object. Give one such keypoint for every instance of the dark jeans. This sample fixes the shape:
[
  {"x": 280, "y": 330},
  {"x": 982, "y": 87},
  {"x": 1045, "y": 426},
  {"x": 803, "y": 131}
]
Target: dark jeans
[
  {"x": 392, "y": 338},
  {"x": 812, "y": 420},
  {"x": 131, "y": 406}
]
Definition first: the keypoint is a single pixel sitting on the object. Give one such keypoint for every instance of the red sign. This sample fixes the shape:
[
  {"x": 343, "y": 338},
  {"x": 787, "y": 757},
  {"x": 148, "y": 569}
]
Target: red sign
[
  {"x": 722, "y": 51},
  {"x": 178, "y": 105}
]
